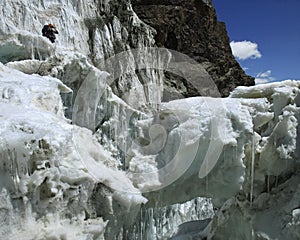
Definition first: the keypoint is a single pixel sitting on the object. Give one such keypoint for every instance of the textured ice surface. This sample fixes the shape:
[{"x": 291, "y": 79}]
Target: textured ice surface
[
  {"x": 44, "y": 176},
  {"x": 56, "y": 173},
  {"x": 253, "y": 171},
  {"x": 125, "y": 149},
  {"x": 201, "y": 140}
]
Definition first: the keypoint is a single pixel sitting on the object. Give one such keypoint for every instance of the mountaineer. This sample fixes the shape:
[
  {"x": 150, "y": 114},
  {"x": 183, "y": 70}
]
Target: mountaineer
[{"x": 49, "y": 31}]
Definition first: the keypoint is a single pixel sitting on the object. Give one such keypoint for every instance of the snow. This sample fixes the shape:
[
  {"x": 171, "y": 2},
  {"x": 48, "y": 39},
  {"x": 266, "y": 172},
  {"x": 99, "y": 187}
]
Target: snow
[
  {"x": 44, "y": 159},
  {"x": 197, "y": 138},
  {"x": 124, "y": 164},
  {"x": 249, "y": 157},
  {"x": 199, "y": 147}
]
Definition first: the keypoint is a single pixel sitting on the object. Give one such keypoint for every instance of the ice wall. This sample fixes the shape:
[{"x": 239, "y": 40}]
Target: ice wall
[
  {"x": 125, "y": 148},
  {"x": 96, "y": 30},
  {"x": 44, "y": 176},
  {"x": 263, "y": 168},
  {"x": 91, "y": 34}
]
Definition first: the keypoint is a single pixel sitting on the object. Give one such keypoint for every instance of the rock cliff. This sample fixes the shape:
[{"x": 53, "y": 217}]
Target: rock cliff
[{"x": 191, "y": 27}]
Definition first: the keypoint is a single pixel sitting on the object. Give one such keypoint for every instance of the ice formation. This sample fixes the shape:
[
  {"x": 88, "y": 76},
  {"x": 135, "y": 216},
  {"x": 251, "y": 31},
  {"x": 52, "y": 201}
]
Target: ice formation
[{"x": 89, "y": 151}]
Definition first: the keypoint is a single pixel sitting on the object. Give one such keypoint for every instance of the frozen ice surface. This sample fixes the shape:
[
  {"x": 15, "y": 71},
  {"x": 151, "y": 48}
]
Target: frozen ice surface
[
  {"x": 44, "y": 176},
  {"x": 257, "y": 133},
  {"x": 130, "y": 166}
]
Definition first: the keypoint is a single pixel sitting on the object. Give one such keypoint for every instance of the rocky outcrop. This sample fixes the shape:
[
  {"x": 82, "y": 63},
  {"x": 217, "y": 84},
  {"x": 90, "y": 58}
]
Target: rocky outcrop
[{"x": 192, "y": 28}]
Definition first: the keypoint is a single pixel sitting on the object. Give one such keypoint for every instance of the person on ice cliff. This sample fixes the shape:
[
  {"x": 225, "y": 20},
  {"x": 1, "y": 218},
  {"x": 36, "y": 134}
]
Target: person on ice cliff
[{"x": 49, "y": 31}]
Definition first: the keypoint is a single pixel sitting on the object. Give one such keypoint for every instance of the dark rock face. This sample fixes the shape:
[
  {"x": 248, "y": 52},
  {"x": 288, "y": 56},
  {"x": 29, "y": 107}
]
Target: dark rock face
[{"x": 191, "y": 27}]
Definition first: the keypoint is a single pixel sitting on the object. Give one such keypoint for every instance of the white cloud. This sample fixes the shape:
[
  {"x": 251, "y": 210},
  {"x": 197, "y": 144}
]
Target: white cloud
[
  {"x": 245, "y": 49},
  {"x": 264, "y": 77}
]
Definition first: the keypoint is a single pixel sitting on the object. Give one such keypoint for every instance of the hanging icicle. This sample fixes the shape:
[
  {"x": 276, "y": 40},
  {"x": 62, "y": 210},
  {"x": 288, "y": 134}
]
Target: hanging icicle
[{"x": 252, "y": 169}]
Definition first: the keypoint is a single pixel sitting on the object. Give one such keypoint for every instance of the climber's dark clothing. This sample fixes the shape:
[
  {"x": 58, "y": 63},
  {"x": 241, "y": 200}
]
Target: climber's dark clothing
[{"x": 49, "y": 31}]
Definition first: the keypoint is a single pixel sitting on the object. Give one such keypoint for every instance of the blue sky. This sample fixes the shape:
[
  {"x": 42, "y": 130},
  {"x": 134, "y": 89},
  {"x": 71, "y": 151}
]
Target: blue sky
[{"x": 264, "y": 35}]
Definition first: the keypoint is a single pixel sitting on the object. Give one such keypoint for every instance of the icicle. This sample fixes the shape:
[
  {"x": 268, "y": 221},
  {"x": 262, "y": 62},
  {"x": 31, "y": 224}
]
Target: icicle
[
  {"x": 252, "y": 170},
  {"x": 268, "y": 183},
  {"x": 28, "y": 208},
  {"x": 32, "y": 50},
  {"x": 151, "y": 228},
  {"x": 141, "y": 225},
  {"x": 38, "y": 53}
]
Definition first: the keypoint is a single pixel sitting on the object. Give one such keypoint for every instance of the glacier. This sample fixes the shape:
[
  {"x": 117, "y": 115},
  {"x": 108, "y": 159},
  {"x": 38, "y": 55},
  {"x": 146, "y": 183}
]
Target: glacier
[{"x": 90, "y": 151}]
